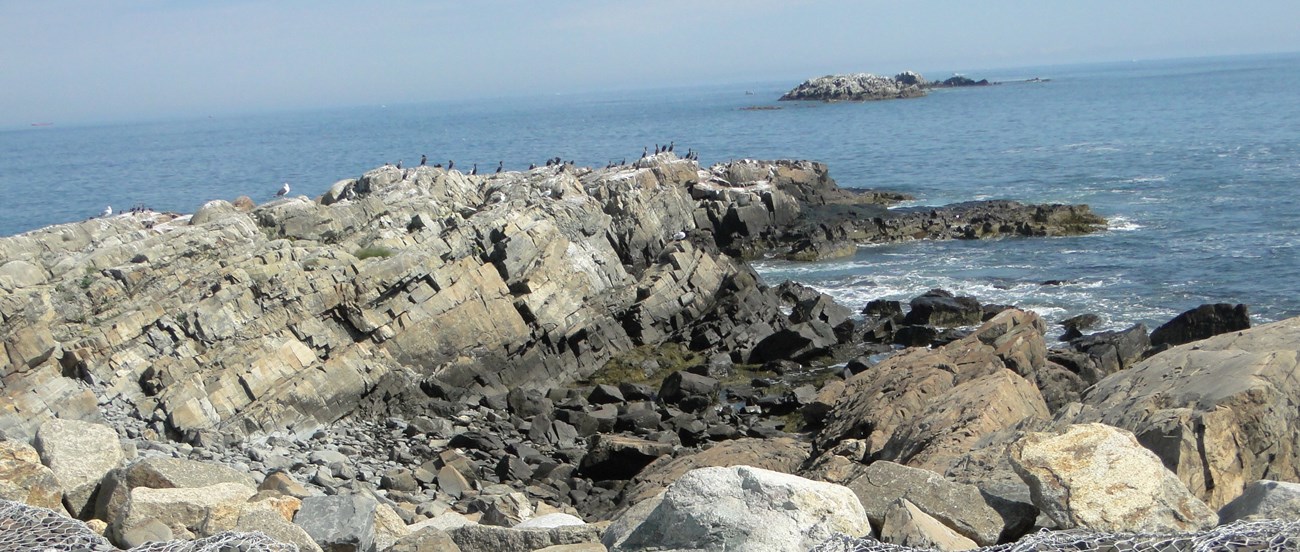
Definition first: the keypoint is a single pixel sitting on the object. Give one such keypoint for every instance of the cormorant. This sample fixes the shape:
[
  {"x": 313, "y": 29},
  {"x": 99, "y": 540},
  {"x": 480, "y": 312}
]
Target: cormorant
[
  {"x": 500, "y": 164},
  {"x": 645, "y": 152},
  {"x": 399, "y": 164},
  {"x": 532, "y": 166},
  {"x": 284, "y": 190},
  {"x": 670, "y": 145},
  {"x": 474, "y": 170},
  {"x": 450, "y": 164},
  {"x": 423, "y": 160}
]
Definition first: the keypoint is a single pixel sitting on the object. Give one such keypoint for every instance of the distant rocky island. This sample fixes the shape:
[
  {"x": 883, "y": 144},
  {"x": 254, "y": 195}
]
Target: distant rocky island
[
  {"x": 578, "y": 359},
  {"x": 868, "y": 87}
]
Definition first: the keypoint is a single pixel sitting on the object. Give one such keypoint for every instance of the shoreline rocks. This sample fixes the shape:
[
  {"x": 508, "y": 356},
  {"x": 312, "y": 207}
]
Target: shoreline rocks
[{"x": 432, "y": 350}]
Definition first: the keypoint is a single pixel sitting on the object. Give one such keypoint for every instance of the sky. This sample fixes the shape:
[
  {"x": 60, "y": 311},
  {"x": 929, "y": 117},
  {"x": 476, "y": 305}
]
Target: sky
[{"x": 110, "y": 60}]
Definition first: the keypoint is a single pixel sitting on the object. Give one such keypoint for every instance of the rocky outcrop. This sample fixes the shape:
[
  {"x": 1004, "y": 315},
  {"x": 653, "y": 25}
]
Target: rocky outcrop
[
  {"x": 1099, "y": 477},
  {"x": 858, "y": 87},
  {"x": 1215, "y": 411},
  {"x": 744, "y": 508}
]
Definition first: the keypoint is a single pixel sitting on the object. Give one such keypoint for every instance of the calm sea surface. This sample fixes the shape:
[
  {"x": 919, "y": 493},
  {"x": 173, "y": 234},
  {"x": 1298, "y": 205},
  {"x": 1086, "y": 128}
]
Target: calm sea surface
[{"x": 1195, "y": 162}]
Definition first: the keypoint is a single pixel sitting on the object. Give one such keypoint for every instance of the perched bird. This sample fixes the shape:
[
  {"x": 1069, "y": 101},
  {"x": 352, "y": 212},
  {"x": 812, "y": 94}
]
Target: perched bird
[
  {"x": 423, "y": 160},
  {"x": 679, "y": 236},
  {"x": 532, "y": 166},
  {"x": 108, "y": 211},
  {"x": 399, "y": 164},
  {"x": 474, "y": 170},
  {"x": 500, "y": 164},
  {"x": 284, "y": 190},
  {"x": 451, "y": 165},
  {"x": 670, "y": 145},
  {"x": 645, "y": 152}
]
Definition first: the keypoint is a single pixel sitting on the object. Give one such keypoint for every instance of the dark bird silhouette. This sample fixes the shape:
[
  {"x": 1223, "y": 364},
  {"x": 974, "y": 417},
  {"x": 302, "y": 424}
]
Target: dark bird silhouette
[
  {"x": 500, "y": 164},
  {"x": 438, "y": 166},
  {"x": 451, "y": 164},
  {"x": 399, "y": 164},
  {"x": 623, "y": 162},
  {"x": 423, "y": 160},
  {"x": 474, "y": 170},
  {"x": 670, "y": 145},
  {"x": 645, "y": 152},
  {"x": 532, "y": 166},
  {"x": 284, "y": 190}
]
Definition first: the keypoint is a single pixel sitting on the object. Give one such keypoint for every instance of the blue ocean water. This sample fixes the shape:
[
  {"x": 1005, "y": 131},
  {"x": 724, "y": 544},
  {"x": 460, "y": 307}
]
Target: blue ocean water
[{"x": 1195, "y": 162}]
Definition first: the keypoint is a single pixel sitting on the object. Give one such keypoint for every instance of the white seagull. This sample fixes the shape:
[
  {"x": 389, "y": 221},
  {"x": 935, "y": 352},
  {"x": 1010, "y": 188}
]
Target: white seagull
[
  {"x": 284, "y": 190},
  {"x": 108, "y": 211},
  {"x": 679, "y": 236}
]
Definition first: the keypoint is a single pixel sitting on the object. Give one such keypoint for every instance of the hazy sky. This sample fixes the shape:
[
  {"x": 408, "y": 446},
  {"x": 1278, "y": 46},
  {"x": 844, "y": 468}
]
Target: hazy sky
[{"x": 92, "y": 60}]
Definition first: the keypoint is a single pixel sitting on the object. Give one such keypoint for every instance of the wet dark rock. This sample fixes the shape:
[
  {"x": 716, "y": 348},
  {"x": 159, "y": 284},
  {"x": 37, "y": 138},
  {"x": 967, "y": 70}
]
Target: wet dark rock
[
  {"x": 1075, "y": 325},
  {"x": 1200, "y": 323},
  {"x": 605, "y": 394},
  {"x": 942, "y": 309},
  {"x": 1113, "y": 351},
  {"x": 915, "y": 336},
  {"x": 691, "y": 391}
]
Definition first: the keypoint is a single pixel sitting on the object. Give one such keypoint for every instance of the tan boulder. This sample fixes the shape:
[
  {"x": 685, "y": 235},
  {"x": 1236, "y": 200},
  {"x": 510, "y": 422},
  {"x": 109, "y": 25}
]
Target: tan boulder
[
  {"x": 188, "y": 513},
  {"x": 925, "y": 407},
  {"x": 24, "y": 479},
  {"x": 1098, "y": 477}
]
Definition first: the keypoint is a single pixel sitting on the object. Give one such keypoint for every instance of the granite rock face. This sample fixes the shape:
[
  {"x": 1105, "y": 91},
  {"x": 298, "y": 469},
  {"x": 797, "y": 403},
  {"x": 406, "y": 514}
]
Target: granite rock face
[
  {"x": 79, "y": 454},
  {"x": 745, "y": 508},
  {"x": 1217, "y": 411},
  {"x": 1098, "y": 477},
  {"x": 24, "y": 479}
]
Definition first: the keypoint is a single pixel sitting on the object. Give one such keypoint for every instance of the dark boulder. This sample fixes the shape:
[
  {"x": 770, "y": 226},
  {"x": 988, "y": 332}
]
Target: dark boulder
[
  {"x": 1075, "y": 325},
  {"x": 940, "y": 308},
  {"x": 881, "y": 308},
  {"x": 915, "y": 336},
  {"x": 1202, "y": 322},
  {"x": 1115, "y": 350},
  {"x": 684, "y": 387}
]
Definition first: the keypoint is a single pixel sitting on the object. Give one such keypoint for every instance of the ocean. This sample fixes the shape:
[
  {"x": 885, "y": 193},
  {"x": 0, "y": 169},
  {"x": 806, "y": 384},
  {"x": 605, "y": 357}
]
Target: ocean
[{"x": 1195, "y": 162}]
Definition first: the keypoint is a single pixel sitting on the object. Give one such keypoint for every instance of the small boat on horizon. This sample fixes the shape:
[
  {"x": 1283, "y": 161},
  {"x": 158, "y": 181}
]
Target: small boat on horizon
[{"x": 42, "y": 124}]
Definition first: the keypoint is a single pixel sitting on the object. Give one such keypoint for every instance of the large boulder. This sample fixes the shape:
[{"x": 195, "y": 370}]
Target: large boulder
[
  {"x": 1218, "y": 412},
  {"x": 1202, "y": 322},
  {"x": 781, "y": 454},
  {"x": 162, "y": 473},
  {"x": 1098, "y": 477},
  {"x": 957, "y": 506},
  {"x": 745, "y": 508},
  {"x": 1264, "y": 500},
  {"x": 940, "y": 308},
  {"x": 924, "y": 407},
  {"x": 341, "y": 523},
  {"x": 185, "y": 513},
  {"x": 79, "y": 454},
  {"x": 619, "y": 456},
  {"x": 24, "y": 479}
]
